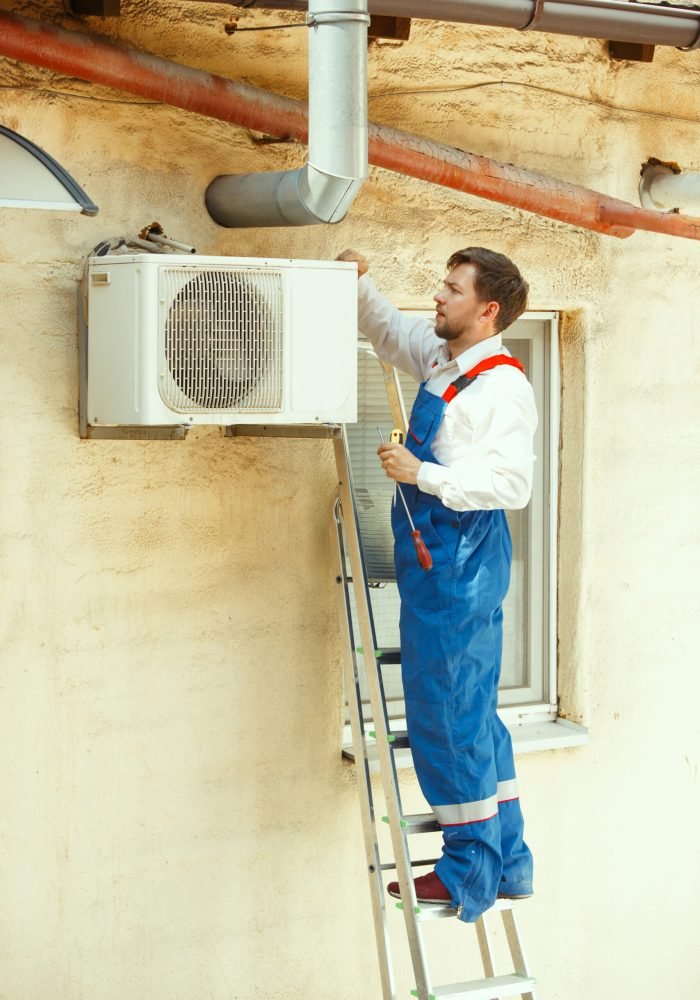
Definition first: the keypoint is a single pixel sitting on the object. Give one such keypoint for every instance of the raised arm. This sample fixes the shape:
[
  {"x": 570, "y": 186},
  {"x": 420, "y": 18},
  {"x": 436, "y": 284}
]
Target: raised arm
[{"x": 408, "y": 342}]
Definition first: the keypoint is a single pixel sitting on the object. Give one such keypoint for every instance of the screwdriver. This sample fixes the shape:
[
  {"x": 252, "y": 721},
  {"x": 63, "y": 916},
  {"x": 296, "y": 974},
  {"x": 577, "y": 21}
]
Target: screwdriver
[{"x": 422, "y": 553}]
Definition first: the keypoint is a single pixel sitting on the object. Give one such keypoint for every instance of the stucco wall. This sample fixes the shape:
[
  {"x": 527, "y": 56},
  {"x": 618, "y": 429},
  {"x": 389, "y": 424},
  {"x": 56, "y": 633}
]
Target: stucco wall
[{"x": 176, "y": 822}]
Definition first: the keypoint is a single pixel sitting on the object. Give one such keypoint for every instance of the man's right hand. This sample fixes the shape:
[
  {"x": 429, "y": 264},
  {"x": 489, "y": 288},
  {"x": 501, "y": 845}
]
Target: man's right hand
[{"x": 362, "y": 262}]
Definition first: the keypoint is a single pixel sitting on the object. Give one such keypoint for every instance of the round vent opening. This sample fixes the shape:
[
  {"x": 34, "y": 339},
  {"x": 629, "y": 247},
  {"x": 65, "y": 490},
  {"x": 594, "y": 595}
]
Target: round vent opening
[{"x": 223, "y": 340}]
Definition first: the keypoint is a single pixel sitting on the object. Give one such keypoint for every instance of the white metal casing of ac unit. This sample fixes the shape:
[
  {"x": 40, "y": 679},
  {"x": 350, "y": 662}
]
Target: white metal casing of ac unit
[{"x": 182, "y": 340}]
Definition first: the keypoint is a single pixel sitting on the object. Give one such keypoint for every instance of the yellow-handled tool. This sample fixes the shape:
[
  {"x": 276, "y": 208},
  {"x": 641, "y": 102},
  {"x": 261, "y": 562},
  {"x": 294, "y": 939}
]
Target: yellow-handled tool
[{"x": 422, "y": 552}]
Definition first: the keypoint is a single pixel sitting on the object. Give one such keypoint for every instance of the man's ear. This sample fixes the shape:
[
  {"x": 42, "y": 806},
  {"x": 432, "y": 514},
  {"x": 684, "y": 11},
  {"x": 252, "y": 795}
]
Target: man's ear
[{"x": 490, "y": 312}]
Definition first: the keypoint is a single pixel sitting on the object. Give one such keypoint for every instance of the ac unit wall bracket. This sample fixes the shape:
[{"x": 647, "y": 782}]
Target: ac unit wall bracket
[{"x": 283, "y": 431}]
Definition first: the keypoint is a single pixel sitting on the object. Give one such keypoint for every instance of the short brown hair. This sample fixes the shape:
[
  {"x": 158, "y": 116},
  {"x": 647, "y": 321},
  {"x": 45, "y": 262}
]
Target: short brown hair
[{"x": 497, "y": 279}]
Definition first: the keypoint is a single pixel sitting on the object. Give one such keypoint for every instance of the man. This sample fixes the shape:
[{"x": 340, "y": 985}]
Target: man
[{"x": 468, "y": 457}]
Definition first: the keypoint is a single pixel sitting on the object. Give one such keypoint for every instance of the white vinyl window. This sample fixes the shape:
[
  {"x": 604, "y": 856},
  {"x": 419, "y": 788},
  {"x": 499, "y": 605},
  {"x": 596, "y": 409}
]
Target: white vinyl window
[{"x": 527, "y": 691}]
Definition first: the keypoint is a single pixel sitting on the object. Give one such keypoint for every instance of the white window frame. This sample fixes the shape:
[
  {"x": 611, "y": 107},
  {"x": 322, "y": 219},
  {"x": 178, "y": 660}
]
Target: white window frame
[
  {"x": 540, "y": 710},
  {"x": 535, "y": 725}
]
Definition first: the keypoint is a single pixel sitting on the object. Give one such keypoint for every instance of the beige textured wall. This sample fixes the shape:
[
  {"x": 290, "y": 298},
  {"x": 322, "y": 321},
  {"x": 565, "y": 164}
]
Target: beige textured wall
[{"x": 176, "y": 822}]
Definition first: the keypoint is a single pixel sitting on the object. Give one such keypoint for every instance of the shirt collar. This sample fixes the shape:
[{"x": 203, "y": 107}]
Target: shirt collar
[{"x": 473, "y": 355}]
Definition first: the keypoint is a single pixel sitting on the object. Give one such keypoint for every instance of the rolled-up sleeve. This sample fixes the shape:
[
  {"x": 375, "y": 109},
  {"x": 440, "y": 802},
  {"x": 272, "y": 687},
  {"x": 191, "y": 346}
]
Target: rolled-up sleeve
[{"x": 495, "y": 468}]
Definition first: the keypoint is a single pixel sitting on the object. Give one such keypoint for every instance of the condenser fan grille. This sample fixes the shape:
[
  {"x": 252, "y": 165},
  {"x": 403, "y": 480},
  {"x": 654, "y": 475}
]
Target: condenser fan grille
[{"x": 222, "y": 339}]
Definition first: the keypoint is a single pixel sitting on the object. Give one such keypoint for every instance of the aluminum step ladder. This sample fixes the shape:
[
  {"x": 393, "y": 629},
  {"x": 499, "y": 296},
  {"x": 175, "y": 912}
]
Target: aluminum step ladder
[{"x": 381, "y": 744}]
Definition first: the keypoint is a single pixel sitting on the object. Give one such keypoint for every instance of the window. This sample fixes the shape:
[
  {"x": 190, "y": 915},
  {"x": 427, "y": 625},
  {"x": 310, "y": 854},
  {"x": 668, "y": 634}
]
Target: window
[{"x": 527, "y": 691}]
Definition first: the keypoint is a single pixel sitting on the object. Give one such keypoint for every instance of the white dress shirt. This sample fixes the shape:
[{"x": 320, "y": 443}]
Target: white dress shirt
[{"x": 485, "y": 441}]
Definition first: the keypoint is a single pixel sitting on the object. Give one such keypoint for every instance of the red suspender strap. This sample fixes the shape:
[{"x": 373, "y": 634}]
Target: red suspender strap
[
  {"x": 450, "y": 392},
  {"x": 484, "y": 366},
  {"x": 488, "y": 363}
]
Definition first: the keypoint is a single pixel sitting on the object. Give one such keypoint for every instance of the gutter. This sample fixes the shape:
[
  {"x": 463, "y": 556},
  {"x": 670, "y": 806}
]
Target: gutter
[
  {"x": 612, "y": 20},
  {"x": 95, "y": 59}
]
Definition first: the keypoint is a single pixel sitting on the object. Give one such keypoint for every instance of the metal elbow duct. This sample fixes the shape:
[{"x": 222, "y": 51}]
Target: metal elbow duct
[{"x": 324, "y": 189}]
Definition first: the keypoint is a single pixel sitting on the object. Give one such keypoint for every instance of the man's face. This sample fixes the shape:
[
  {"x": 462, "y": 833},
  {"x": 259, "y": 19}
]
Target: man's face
[{"x": 458, "y": 306}]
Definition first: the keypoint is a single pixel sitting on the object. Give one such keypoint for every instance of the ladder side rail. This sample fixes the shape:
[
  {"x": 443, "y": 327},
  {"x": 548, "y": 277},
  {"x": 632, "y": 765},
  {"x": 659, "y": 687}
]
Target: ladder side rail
[
  {"x": 386, "y": 765},
  {"x": 361, "y": 581},
  {"x": 520, "y": 964},
  {"x": 395, "y": 397},
  {"x": 367, "y": 811},
  {"x": 379, "y": 676},
  {"x": 485, "y": 947},
  {"x": 392, "y": 387},
  {"x": 356, "y": 704}
]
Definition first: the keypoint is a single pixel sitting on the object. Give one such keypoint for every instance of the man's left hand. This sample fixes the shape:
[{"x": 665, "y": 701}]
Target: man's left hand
[{"x": 398, "y": 463}]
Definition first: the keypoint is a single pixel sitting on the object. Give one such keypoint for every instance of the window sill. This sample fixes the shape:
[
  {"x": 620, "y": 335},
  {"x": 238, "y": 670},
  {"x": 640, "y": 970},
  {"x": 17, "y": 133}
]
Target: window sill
[{"x": 528, "y": 737}]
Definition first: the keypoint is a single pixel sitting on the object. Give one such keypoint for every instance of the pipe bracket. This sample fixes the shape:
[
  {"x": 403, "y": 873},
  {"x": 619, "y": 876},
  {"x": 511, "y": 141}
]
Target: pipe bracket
[
  {"x": 537, "y": 12},
  {"x": 336, "y": 17}
]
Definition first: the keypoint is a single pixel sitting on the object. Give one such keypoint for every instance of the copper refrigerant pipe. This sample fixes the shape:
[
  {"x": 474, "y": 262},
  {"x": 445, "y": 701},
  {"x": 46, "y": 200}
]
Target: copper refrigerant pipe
[{"x": 95, "y": 59}]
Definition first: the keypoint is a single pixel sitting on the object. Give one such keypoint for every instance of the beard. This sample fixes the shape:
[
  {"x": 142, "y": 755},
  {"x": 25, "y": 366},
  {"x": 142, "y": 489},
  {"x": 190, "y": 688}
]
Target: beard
[{"x": 444, "y": 331}]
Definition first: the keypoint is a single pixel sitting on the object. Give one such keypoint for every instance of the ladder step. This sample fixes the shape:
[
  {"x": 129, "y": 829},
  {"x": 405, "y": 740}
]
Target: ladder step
[
  {"x": 414, "y": 864},
  {"x": 389, "y": 656},
  {"x": 418, "y": 823},
  {"x": 399, "y": 740},
  {"x": 484, "y": 989},
  {"x": 383, "y": 656},
  {"x": 440, "y": 911},
  {"x": 434, "y": 911}
]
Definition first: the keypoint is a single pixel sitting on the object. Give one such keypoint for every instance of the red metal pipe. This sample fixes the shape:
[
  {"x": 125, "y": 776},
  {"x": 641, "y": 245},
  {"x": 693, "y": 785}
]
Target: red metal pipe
[
  {"x": 485, "y": 178},
  {"x": 98, "y": 60},
  {"x": 652, "y": 222}
]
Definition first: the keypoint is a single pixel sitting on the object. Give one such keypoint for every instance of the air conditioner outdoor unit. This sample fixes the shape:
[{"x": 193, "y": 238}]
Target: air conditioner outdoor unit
[{"x": 182, "y": 340}]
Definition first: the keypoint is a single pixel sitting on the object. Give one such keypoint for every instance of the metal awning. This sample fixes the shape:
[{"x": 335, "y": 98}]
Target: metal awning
[{"x": 30, "y": 178}]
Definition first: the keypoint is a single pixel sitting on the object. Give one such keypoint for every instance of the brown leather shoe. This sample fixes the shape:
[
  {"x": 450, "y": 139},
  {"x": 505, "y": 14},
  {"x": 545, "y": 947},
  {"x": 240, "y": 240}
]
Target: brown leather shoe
[{"x": 429, "y": 889}]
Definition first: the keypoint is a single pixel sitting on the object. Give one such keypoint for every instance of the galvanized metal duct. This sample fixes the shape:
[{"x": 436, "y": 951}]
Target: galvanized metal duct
[
  {"x": 613, "y": 20},
  {"x": 324, "y": 189}
]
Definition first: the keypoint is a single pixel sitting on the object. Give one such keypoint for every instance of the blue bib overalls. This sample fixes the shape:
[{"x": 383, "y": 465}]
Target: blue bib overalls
[{"x": 451, "y": 639}]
